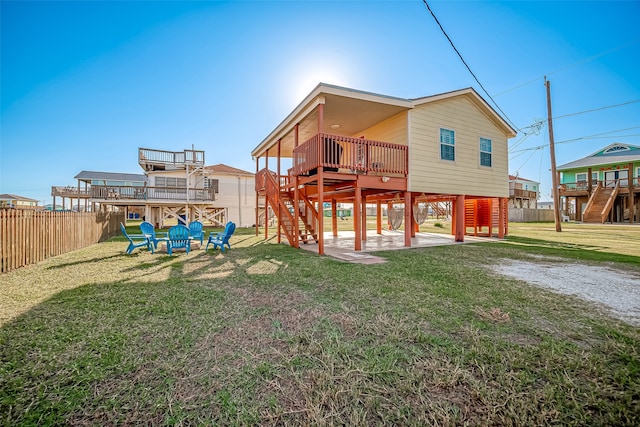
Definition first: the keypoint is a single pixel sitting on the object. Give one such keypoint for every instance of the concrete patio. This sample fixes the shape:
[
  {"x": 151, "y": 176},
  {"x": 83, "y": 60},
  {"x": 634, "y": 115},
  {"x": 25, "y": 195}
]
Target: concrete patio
[{"x": 341, "y": 247}]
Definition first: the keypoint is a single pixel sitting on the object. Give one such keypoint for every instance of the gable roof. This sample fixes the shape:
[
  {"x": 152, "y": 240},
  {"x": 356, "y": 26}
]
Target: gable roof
[
  {"x": 111, "y": 176},
  {"x": 226, "y": 170},
  {"x": 7, "y": 196},
  {"x": 612, "y": 153},
  {"x": 345, "y": 107},
  {"x": 519, "y": 178},
  {"x": 477, "y": 100}
]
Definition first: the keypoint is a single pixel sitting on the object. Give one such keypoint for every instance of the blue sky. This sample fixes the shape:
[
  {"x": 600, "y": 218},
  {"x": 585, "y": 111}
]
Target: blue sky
[{"x": 84, "y": 84}]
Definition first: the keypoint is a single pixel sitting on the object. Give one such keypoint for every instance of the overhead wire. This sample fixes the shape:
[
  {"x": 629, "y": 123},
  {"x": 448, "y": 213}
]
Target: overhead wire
[
  {"x": 467, "y": 65},
  {"x": 575, "y": 139},
  {"x": 596, "y": 109},
  {"x": 539, "y": 123},
  {"x": 591, "y": 58}
]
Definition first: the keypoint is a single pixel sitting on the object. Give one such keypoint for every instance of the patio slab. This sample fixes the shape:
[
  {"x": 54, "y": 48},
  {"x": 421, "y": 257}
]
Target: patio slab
[{"x": 341, "y": 247}]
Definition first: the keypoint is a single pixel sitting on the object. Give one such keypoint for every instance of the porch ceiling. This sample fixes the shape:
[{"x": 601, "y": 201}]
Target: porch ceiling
[{"x": 353, "y": 111}]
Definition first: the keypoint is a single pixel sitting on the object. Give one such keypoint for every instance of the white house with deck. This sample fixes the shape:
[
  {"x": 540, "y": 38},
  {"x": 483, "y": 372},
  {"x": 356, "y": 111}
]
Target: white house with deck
[{"x": 175, "y": 187}]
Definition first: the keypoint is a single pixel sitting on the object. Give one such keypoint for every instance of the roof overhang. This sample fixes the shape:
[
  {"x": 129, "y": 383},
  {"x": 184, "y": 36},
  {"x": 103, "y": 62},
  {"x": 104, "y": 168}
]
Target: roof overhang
[
  {"x": 348, "y": 111},
  {"x": 351, "y": 110}
]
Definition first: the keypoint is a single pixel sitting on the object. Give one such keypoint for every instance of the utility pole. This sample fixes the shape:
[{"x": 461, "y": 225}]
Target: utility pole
[{"x": 552, "y": 152}]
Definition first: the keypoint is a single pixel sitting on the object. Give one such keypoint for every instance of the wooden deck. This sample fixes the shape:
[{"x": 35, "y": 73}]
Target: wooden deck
[
  {"x": 148, "y": 194},
  {"x": 151, "y": 159},
  {"x": 71, "y": 192}
]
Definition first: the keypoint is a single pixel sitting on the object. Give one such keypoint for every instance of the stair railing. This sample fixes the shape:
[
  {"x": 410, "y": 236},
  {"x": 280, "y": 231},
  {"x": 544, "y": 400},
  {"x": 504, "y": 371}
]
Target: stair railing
[
  {"x": 592, "y": 198},
  {"x": 609, "y": 205},
  {"x": 273, "y": 196}
]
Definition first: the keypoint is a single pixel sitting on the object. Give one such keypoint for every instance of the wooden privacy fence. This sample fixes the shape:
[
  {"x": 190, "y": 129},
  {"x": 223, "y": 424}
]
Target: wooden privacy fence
[
  {"x": 531, "y": 215},
  {"x": 27, "y": 237}
]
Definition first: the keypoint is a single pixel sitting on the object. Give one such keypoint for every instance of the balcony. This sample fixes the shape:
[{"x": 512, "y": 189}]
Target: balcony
[
  {"x": 150, "y": 159},
  {"x": 343, "y": 154},
  {"x": 72, "y": 192},
  {"x": 138, "y": 193},
  {"x": 522, "y": 194},
  {"x": 581, "y": 188}
]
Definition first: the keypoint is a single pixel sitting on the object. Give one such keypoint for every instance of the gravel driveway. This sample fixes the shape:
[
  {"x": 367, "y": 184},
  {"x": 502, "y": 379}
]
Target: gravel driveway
[{"x": 617, "y": 290}]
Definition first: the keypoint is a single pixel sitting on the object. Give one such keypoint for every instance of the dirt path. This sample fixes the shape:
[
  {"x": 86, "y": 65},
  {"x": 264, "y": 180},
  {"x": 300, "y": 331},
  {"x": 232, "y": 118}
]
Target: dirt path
[{"x": 618, "y": 291}]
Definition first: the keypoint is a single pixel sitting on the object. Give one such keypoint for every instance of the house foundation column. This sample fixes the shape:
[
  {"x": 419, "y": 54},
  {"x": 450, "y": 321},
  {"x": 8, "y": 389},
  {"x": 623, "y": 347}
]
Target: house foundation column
[
  {"x": 357, "y": 218},
  {"x": 502, "y": 210},
  {"x": 334, "y": 217},
  {"x": 296, "y": 213},
  {"x": 459, "y": 218},
  {"x": 364, "y": 217},
  {"x": 320, "y": 211},
  {"x": 408, "y": 219}
]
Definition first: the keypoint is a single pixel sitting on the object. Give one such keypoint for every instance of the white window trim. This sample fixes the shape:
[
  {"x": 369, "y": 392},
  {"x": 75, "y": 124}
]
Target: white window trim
[
  {"x": 440, "y": 143},
  {"x": 487, "y": 152}
]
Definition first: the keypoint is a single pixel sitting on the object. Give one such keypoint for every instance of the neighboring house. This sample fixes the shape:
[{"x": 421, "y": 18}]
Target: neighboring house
[
  {"x": 176, "y": 186},
  {"x": 109, "y": 183},
  {"x": 604, "y": 186},
  {"x": 12, "y": 201},
  {"x": 235, "y": 192},
  {"x": 349, "y": 146},
  {"x": 523, "y": 193}
]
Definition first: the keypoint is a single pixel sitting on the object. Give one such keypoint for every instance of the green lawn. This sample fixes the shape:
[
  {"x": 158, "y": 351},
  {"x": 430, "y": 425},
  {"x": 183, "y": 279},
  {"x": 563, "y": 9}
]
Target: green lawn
[{"x": 269, "y": 335}]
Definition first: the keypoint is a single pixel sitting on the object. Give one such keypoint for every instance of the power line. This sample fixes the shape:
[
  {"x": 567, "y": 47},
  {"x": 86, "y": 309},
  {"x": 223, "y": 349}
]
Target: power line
[
  {"x": 597, "y": 135},
  {"x": 597, "y": 109},
  {"x": 467, "y": 65},
  {"x": 540, "y": 121},
  {"x": 591, "y": 58}
]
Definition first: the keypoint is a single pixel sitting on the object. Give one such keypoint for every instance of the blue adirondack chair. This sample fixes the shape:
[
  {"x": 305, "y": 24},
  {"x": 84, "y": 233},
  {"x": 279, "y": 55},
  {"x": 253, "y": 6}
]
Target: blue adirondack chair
[
  {"x": 221, "y": 239},
  {"x": 195, "y": 230},
  {"x": 178, "y": 237},
  {"x": 149, "y": 231},
  {"x": 136, "y": 240}
]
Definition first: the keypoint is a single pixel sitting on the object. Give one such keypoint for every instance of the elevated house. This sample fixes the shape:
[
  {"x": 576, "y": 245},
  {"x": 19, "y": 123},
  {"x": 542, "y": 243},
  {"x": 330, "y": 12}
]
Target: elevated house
[
  {"x": 604, "y": 186},
  {"x": 523, "y": 193},
  {"x": 175, "y": 187},
  {"x": 13, "y": 201},
  {"x": 342, "y": 145},
  {"x": 85, "y": 199}
]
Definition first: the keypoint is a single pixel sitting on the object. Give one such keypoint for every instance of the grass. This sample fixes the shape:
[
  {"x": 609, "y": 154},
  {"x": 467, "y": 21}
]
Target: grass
[{"x": 269, "y": 335}]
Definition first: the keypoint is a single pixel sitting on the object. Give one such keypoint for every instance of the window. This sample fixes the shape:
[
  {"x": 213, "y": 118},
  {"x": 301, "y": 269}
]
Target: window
[
  {"x": 582, "y": 177},
  {"x": 616, "y": 148},
  {"x": 162, "y": 181},
  {"x": 447, "y": 145},
  {"x": 211, "y": 183},
  {"x": 485, "y": 152}
]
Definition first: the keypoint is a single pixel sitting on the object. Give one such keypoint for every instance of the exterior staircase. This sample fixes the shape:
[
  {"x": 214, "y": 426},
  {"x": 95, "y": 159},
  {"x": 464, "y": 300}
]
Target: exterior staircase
[
  {"x": 600, "y": 204},
  {"x": 284, "y": 202},
  {"x": 307, "y": 216}
]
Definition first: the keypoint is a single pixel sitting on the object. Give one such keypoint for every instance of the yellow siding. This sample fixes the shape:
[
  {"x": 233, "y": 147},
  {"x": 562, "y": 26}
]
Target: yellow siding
[
  {"x": 393, "y": 130},
  {"x": 429, "y": 174}
]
